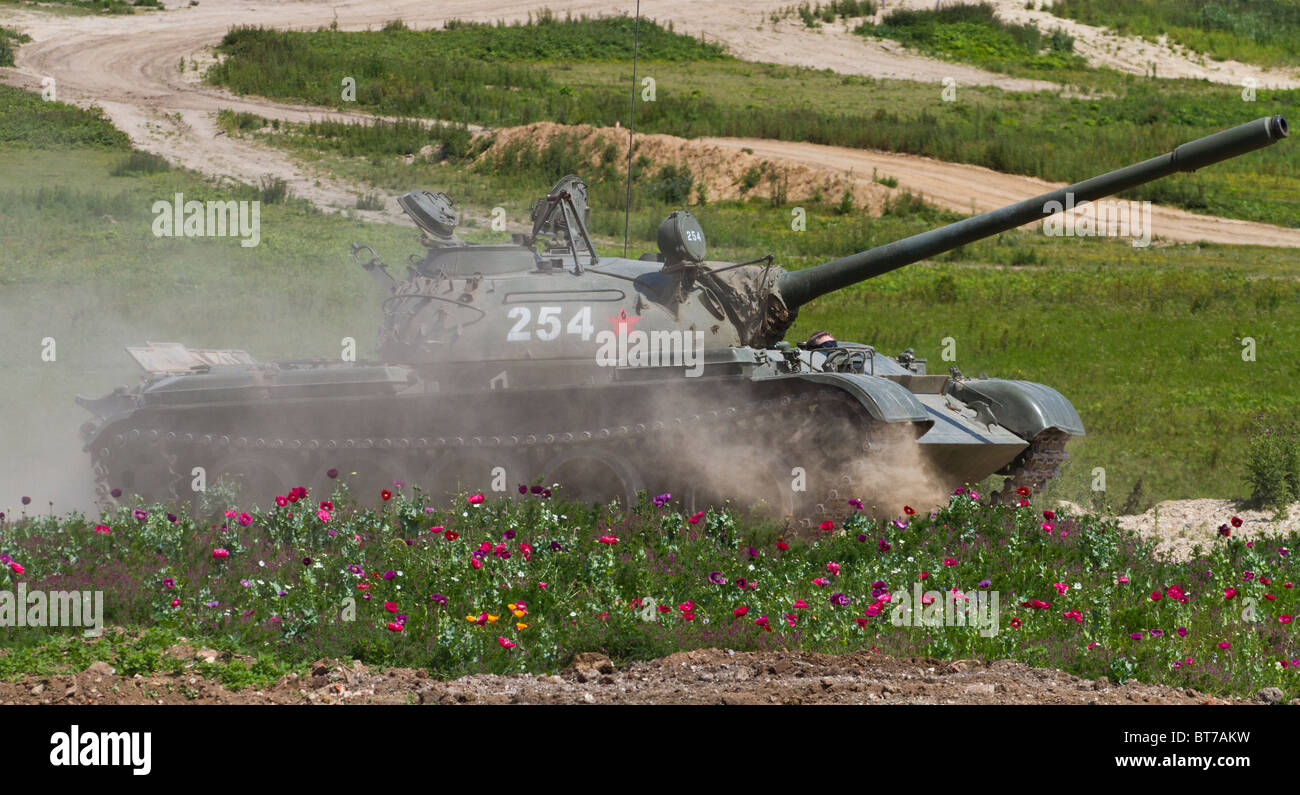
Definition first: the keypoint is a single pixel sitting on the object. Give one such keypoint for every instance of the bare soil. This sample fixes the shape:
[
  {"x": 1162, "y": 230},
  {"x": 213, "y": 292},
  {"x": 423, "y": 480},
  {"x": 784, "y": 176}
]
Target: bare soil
[
  {"x": 1179, "y": 525},
  {"x": 705, "y": 676}
]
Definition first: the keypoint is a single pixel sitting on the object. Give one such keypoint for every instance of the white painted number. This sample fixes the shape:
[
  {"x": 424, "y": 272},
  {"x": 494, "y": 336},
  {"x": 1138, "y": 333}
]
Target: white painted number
[
  {"x": 549, "y": 324},
  {"x": 517, "y": 334}
]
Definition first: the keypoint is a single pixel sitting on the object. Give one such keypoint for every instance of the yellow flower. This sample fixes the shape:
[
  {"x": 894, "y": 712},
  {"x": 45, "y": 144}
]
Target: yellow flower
[
  {"x": 520, "y": 625},
  {"x": 511, "y": 606},
  {"x": 520, "y": 613},
  {"x": 492, "y": 617},
  {"x": 471, "y": 618}
]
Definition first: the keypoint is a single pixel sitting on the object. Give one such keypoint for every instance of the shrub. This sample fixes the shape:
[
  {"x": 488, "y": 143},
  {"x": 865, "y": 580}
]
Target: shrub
[{"x": 1273, "y": 464}]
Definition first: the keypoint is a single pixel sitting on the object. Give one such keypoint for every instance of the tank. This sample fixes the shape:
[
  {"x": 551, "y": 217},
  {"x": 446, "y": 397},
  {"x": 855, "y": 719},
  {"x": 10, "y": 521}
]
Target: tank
[{"x": 518, "y": 366}]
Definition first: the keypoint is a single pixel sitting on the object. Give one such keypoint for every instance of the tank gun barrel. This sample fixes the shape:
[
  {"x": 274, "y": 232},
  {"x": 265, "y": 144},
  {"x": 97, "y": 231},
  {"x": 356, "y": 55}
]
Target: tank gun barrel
[{"x": 799, "y": 287}]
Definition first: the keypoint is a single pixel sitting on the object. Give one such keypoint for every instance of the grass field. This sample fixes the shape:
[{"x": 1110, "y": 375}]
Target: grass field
[
  {"x": 1255, "y": 31},
  {"x": 497, "y": 82}
]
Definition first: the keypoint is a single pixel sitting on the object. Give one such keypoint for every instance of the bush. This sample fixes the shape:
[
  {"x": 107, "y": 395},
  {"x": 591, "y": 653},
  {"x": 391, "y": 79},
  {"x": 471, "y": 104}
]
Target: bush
[
  {"x": 672, "y": 185},
  {"x": 1273, "y": 464},
  {"x": 140, "y": 163}
]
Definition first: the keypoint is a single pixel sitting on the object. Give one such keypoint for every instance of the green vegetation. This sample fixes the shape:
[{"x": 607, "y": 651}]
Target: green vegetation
[
  {"x": 408, "y": 585},
  {"x": 1256, "y": 31},
  {"x": 27, "y": 121},
  {"x": 408, "y": 74},
  {"x": 974, "y": 34},
  {"x": 814, "y": 14},
  {"x": 94, "y": 6},
  {"x": 9, "y": 41},
  {"x": 1273, "y": 462}
]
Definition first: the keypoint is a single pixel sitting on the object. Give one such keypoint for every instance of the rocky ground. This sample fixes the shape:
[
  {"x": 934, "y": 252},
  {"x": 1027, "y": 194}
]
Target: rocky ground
[{"x": 705, "y": 676}]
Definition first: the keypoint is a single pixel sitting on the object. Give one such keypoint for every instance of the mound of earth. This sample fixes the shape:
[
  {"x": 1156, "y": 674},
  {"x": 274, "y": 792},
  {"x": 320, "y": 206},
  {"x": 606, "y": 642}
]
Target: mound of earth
[
  {"x": 1179, "y": 525},
  {"x": 704, "y": 676},
  {"x": 720, "y": 170}
]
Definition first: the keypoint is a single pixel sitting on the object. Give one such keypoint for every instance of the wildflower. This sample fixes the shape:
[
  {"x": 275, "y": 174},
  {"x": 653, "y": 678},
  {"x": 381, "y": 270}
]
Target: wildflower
[
  {"x": 390, "y": 607},
  {"x": 331, "y": 473},
  {"x": 526, "y": 550},
  {"x": 508, "y": 535},
  {"x": 790, "y": 619},
  {"x": 476, "y": 563},
  {"x": 27, "y": 500},
  {"x": 1155, "y": 596},
  {"x": 281, "y": 500},
  {"x": 883, "y": 545},
  {"x": 1236, "y": 521},
  {"x": 696, "y": 517},
  {"x": 1123, "y": 579},
  {"x": 833, "y": 568},
  {"x": 857, "y": 504},
  {"x": 716, "y": 578},
  {"x": 1223, "y": 644},
  {"x": 662, "y": 500},
  {"x": 1224, "y": 530},
  {"x": 1182, "y": 632},
  {"x": 827, "y": 526},
  {"x": 762, "y": 622},
  {"x": 440, "y": 599},
  {"x": 782, "y": 546},
  {"x": 17, "y": 567},
  {"x": 1022, "y": 503},
  {"x": 395, "y": 626},
  {"x": 103, "y": 529},
  {"x": 1015, "y": 622},
  {"x": 520, "y": 625},
  {"x": 950, "y": 561},
  {"x": 390, "y": 574},
  {"x": 1155, "y": 633},
  {"x": 139, "y": 514},
  {"x": 323, "y": 515},
  {"x": 450, "y": 535},
  {"x": 909, "y": 510},
  {"x": 1284, "y": 619},
  {"x": 1135, "y": 635},
  {"x": 475, "y": 499},
  {"x": 740, "y": 611},
  {"x": 1049, "y": 516},
  {"x": 1228, "y": 593},
  {"x": 245, "y": 519},
  {"x": 610, "y": 540},
  {"x": 220, "y": 552},
  {"x": 986, "y": 584},
  {"x": 385, "y": 495},
  {"x": 799, "y": 604},
  {"x": 306, "y": 561},
  {"x": 556, "y": 546},
  {"x": 1023, "y": 491},
  {"x": 821, "y": 582},
  {"x": 1048, "y": 527},
  {"x": 116, "y": 493},
  {"x": 839, "y": 599}
]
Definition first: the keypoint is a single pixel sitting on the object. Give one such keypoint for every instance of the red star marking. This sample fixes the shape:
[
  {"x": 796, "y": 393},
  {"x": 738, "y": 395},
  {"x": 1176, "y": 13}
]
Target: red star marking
[{"x": 624, "y": 322}]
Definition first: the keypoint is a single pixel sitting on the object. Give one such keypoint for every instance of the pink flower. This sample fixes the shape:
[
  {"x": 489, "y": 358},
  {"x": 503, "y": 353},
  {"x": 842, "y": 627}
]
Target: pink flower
[
  {"x": 102, "y": 529},
  {"x": 821, "y": 582},
  {"x": 1123, "y": 579},
  {"x": 1223, "y": 644},
  {"x": 950, "y": 561},
  {"x": 390, "y": 607},
  {"x": 245, "y": 519},
  {"x": 1060, "y": 587},
  {"x": 220, "y": 552},
  {"x": 696, "y": 517},
  {"x": 833, "y": 568},
  {"x": 395, "y": 626},
  {"x": 17, "y": 567},
  {"x": 475, "y": 499},
  {"x": 281, "y": 500},
  {"x": 323, "y": 515},
  {"x": 611, "y": 540},
  {"x": 176, "y": 603},
  {"x": 231, "y": 514},
  {"x": 1228, "y": 593},
  {"x": 476, "y": 563},
  {"x": 1048, "y": 527},
  {"x": 800, "y": 604}
]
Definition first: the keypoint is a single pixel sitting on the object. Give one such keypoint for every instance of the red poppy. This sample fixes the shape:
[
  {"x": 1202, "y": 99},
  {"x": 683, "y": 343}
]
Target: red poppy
[
  {"x": 1023, "y": 491},
  {"x": 1015, "y": 623},
  {"x": 395, "y": 626},
  {"x": 390, "y": 607},
  {"x": 781, "y": 545},
  {"x": 909, "y": 510},
  {"x": 827, "y": 526},
  {"x": 1236, "y": 521},
  {"x": 450, "y": 535},
  {"x": 740, "y": 611},
  {"x": 385, "y": 495}
]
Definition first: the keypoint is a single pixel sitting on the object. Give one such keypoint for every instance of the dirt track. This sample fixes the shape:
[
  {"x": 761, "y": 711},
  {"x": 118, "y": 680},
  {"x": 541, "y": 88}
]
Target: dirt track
[
  {"x": 705, "y": 676},
  {"x": 129, "y": 66}
]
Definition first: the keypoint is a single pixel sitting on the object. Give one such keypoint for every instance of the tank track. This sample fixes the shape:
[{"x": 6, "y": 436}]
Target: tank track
[
  {"x": 1038, "y": 464},
  {"x": 167, "y": 448}
]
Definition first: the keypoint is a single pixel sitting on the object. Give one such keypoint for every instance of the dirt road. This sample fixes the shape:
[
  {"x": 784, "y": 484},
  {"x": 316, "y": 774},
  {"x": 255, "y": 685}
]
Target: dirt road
[
  {"x": 132, "y": 67},
  {"x": 966, "y": 188}
]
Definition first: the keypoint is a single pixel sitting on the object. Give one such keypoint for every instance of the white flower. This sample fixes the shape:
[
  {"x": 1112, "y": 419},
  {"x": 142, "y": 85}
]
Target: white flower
[{"x": 261, "y": 563}]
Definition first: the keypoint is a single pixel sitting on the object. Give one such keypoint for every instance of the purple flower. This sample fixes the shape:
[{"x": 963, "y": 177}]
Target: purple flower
[
  {"x": 390, "y": 574},
  {"x": 839, "y": 599},
  {"x": 1182, "y": 632},
  {"x": 246, "y": 583},
  {"x": 1247, "y": 576},
  {"x": 662, "y": 500},
  {"x": 1157, "y": 633},
  {"x": 171, "y": 517},
  {"x": 213, "y": 603},
  {"x": 555, "y": 545},
  {"x": 540, "y": 490},
  {"x": 986, "y": 584},
  {"x": 1135, "y": 635},
  {"x": 884, "y": 545},
  {"x": 306, "y": 561},
  {"x": 899, "y": 523},
  {"x": 440, "y": 599},
  {"x": 355, "y": 568},
  {"x": 509, "y": 534},
  {"x": 167, "y": 582},
  {"x": 331, "y": 474},
  {"x": 401, "y": 618},
  {"x": 27, "y": 500},
  {"x": 116, "y": 493},
  {"x": 753, "y": 553},
  {"x": 523, "y": 489},
  {"x": 139, "y": 514},
  {"x": 741, "y": 582},
  {"x": 856, "y": 504},
  {"x": 861, "y": 537},
  {"x": 716, "y": 578}
]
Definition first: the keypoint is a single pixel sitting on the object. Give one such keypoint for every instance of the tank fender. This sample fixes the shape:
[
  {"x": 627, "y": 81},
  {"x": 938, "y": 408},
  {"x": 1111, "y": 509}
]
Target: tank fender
[
  {"x": 885, "y": 400},
  {"x": 1022, "y": 407}
]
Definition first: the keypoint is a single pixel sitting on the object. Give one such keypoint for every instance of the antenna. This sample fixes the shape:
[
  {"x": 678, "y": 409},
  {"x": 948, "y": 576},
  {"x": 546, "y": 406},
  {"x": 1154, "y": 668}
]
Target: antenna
[{"x": 631, "y": 128}]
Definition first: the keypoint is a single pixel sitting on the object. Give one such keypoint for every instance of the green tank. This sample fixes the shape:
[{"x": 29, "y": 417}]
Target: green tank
[{"x": 504, "y": 367}]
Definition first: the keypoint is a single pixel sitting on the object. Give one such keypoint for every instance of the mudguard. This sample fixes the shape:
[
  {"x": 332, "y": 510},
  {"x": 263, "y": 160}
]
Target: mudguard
[
  {"x": 885, "y": 400},
  {"x": 1022, "y": 407}
]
